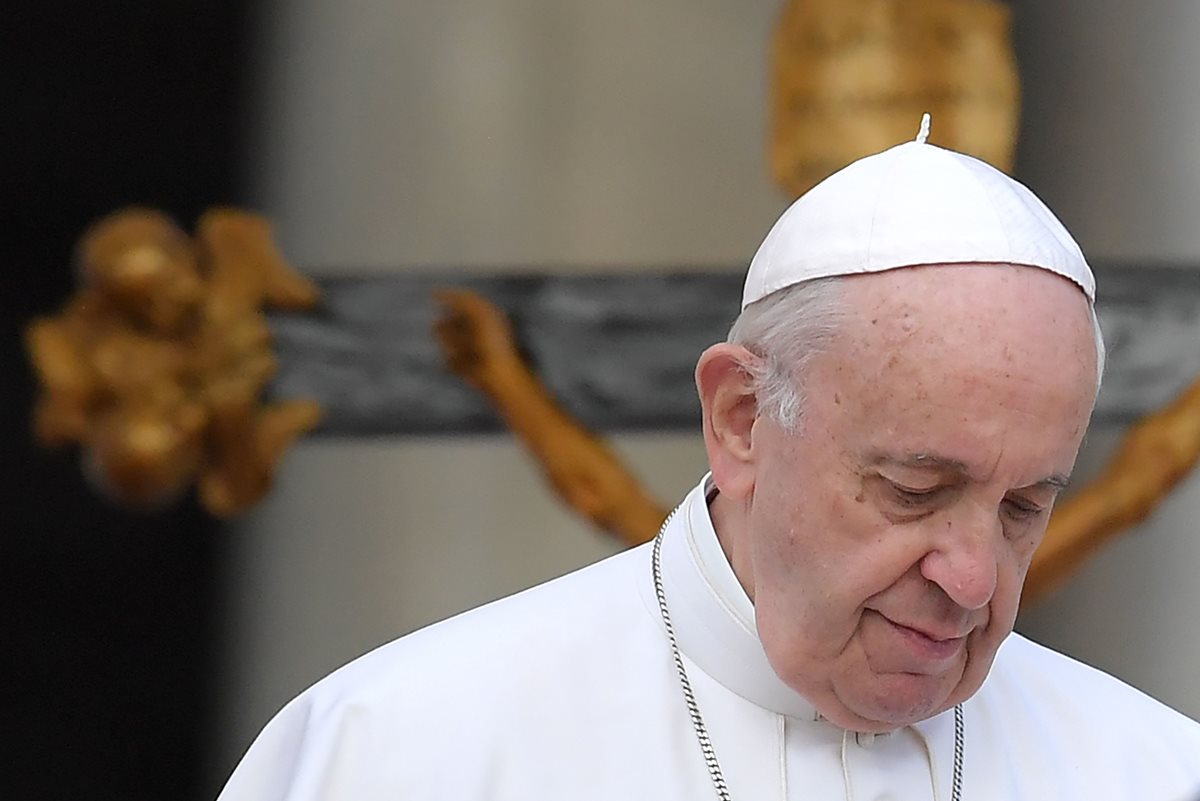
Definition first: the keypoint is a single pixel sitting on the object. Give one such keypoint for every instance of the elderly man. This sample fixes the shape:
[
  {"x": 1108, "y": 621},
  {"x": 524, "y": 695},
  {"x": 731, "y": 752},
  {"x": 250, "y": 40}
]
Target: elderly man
[{"x": 829, "y": 613}]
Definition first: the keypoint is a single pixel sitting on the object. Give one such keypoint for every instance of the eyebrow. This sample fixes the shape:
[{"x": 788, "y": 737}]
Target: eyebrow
[
  {"x": 925, "y": 461},
  {"x": 1057, "y": 481}
]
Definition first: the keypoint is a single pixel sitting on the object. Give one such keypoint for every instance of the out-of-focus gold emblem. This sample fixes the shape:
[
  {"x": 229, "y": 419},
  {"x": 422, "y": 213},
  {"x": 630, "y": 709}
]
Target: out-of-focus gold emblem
[
  {"x": 157, "y": 364},
  {"x": 853, "y": 77}
]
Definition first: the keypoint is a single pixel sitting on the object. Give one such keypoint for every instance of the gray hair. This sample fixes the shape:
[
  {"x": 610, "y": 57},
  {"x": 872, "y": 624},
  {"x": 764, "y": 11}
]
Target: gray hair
[
  {"x": 785, "y": 330},
  {"x": 789, "y": 327}
]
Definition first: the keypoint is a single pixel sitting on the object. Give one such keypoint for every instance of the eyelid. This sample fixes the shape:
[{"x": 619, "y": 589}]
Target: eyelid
[
  {"x": 915, "y": 490},
  {"x": 1037, "y": 495},
  {"x": 906, "y": 487},
  {"x": 909, "y": 496},
  {"x": 1024, "y": 504}
]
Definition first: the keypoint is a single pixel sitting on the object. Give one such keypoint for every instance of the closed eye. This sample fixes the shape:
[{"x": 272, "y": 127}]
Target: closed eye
[
  {"x": 1021, "y": 510},
  {"x": 913, "y": 497}
]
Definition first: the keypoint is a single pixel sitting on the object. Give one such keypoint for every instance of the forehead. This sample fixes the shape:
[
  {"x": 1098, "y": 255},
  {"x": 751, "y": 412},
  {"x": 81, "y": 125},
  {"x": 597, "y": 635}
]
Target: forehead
[
  {"x": 963, "y": 360},
  {"x": 978, "y": 311}
]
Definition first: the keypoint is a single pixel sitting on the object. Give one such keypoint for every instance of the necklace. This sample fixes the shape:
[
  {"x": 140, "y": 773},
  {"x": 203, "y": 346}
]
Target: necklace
[{"x": 706, "y": 746}]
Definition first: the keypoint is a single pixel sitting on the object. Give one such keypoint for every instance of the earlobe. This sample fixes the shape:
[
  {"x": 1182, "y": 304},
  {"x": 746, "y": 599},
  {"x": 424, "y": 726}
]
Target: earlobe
[{"x": 730, "y": 409}]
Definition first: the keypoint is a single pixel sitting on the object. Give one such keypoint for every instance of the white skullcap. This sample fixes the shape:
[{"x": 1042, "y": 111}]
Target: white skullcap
[{"x": 913, "y": 204}]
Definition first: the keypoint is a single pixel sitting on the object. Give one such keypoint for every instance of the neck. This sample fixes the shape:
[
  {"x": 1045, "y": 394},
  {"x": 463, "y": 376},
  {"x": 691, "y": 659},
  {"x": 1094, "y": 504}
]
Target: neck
[{"x": 728, "y": 520}]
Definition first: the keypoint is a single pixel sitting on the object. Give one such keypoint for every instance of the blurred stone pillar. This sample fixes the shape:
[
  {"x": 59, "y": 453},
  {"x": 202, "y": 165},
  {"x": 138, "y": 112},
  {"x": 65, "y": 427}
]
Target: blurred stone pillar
[
  {"x": 1110, "y": 139},
  {"x": 486, "y": 135}
]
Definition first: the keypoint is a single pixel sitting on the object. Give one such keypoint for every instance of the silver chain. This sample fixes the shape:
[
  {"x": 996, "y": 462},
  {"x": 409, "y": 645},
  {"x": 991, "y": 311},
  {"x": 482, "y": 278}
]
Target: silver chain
[
  {"x": 706, "y": 746},
  {"x": 689, "y": 697},
  {"x": 959, "y": 737}
]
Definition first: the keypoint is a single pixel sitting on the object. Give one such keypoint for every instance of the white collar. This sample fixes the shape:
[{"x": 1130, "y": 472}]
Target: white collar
[{"x": 712, "y": 615}]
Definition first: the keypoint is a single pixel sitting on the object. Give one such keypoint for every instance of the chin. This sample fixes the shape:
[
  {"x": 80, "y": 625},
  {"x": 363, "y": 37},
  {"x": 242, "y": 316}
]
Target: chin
[{"x": 900, "y": 699}]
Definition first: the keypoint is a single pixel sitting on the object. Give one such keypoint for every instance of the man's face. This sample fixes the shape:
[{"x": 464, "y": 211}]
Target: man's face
[{"x": 889, "y": 538}]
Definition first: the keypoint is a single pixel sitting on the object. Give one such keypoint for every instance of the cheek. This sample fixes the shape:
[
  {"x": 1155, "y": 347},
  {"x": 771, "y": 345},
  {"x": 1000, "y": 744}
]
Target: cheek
[
  {"x": 1024, "y": 548},
  {"x": 820, "y": 544},
  {"x": 1009, "y": 580},
  {"x": 820, "y": 525}
]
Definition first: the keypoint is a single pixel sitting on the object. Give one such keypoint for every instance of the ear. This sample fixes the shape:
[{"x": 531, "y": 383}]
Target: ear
[{"x": 730, "y": 409}]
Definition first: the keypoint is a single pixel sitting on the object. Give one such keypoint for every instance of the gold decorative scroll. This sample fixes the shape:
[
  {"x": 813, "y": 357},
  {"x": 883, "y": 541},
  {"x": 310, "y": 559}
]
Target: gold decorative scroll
[
  {"x": 1155, "y": 455},
  {"x": 478, "y": 344},
  {"x": 852, "y": 77}
]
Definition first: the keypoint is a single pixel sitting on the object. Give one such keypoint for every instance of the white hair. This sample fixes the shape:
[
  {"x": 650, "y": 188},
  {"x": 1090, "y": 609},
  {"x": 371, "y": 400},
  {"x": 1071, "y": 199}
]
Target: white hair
[{"x": 787, "y": 328}]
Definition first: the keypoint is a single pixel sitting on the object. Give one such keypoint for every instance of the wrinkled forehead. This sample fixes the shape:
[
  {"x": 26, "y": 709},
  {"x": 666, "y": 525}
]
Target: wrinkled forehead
[
  {"x": 962, "y": 357},
  {"x": 1010, "y": 298},
  {"x": 1022, "y": 317}
]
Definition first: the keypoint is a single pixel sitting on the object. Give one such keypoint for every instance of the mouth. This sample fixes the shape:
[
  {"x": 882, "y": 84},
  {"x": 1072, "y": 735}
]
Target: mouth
[{"x": 928, "y": 644}]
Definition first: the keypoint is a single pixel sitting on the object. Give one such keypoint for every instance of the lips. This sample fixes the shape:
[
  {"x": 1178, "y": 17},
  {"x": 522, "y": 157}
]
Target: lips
[
  {"x": 931, "y": 633},
  {"x": 929, "y": 644}
]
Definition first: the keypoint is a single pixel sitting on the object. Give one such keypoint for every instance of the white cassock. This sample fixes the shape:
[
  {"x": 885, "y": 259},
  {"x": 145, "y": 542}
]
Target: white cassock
[{"x": 569, "y": 691}]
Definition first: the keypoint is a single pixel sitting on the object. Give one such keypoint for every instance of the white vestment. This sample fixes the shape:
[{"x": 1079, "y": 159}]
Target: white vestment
[{"x": 569, "y": 691}]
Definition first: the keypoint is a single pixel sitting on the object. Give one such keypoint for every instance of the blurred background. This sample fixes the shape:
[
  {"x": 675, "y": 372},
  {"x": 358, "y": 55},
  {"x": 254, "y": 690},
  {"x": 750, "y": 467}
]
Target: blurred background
[{"x": 142, "y": 654}]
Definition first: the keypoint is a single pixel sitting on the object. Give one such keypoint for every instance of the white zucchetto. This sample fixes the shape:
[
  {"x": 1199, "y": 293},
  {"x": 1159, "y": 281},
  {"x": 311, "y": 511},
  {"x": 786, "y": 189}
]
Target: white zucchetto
[{"x": 913, "y": 204}]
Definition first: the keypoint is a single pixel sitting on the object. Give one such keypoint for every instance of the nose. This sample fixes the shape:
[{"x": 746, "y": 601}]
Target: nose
[{"x": 963, "y": 564}]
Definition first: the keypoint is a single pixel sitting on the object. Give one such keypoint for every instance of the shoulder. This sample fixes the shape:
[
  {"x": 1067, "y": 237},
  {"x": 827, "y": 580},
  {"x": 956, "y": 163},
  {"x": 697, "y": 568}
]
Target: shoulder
[
  {"x": 1080, "y": 716},
  {"x": 507, "y": 682},
  {"x": 505, "y": 641},
  {"x": 1034, "y": 671}
]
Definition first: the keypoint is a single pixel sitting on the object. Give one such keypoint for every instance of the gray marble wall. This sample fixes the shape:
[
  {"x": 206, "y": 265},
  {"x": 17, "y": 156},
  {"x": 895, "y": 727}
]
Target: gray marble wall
[{"x": 618, "y": 351}]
